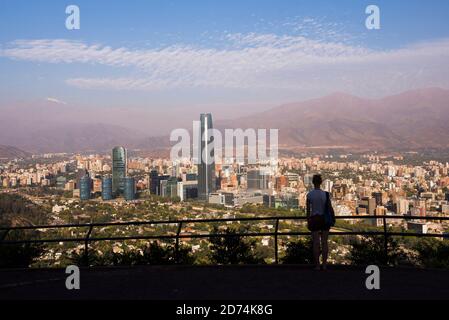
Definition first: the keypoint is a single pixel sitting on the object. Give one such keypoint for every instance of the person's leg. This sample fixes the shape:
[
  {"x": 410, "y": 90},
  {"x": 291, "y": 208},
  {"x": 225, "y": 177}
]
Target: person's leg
[
  {"x": 316, "y": 248},
  {"x": 324, "y": 247}
]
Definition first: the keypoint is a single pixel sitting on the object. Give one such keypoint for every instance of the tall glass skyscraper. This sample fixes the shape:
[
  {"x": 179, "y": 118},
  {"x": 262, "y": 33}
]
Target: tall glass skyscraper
[
  {"x": 106, "y": 188},
  {"x": 85, "y": 187},
  {"x": 206, "y": 166},
  {"x": 130, "y": 189},
  {"x": 119, "y": 169}
]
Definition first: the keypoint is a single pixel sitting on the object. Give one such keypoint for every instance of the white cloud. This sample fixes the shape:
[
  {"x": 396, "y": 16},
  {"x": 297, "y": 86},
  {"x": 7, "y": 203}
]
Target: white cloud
[
  {"x": 57, "y": 101},
  {"x": 250, "y": 61}
]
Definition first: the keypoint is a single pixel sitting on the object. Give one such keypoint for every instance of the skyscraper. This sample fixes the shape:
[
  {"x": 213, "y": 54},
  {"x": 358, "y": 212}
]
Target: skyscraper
[
  {"x": 106, "y": 188},
  {"x": 257, "y": 179},
  {"x": 85, "y": 187},
  {"x": 119, "y": 169},
  {"x": 206, "y": 164},
  {"x": 155, "y": 182},
  {"x": 129, "y": 188}
]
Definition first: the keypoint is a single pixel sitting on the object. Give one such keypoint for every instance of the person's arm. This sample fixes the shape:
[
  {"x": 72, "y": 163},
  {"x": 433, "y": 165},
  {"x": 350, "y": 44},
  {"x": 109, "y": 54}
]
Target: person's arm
[{"x": 307, "y": 206}]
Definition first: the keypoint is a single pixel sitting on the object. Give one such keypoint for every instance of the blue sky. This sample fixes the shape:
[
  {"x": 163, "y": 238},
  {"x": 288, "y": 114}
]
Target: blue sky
[
  {"x": 172, "y": 55},
  {"x": 137, "y": 21}
]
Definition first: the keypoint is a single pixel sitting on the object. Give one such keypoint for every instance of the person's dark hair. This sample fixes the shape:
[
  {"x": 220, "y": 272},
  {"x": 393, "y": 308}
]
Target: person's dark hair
[{"x": 317, "y": 180}]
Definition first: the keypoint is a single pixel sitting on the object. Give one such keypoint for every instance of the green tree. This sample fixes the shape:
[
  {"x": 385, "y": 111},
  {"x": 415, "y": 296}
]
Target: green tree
[
  {"x": 20, "y": 255},
  {"x": 299, "y": 252},
  {"x": 433, "y": 253},
  {"x": 232, "y": 248},
  {"x": 371, "y": 250}
]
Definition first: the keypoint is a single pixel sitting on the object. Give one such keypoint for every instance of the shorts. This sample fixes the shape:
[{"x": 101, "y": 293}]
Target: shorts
[{"x": 317, "y": 223}]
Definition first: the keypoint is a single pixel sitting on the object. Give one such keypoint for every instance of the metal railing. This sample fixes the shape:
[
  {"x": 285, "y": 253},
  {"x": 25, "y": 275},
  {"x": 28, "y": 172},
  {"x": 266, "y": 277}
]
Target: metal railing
[{"x": 87, "y": 239}]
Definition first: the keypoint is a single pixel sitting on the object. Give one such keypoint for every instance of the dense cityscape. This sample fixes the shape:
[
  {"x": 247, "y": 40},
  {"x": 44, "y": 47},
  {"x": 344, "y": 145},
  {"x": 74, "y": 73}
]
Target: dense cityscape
[{"x": 85, "y": 188}]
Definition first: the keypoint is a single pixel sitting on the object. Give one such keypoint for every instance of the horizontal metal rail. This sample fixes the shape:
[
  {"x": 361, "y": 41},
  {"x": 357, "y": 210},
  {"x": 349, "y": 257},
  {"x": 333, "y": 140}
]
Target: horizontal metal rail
[
  {"x": 180, "y": 223},
  {"x": 185, "y": 221}
]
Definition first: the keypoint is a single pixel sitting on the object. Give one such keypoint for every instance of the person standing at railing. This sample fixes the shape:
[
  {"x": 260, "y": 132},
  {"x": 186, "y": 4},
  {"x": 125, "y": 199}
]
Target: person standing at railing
[{"x": 320, "y": 218}]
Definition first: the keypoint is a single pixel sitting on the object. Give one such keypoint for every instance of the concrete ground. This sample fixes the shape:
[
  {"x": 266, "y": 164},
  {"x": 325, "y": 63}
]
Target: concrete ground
[{"x": 271, "y": 282}]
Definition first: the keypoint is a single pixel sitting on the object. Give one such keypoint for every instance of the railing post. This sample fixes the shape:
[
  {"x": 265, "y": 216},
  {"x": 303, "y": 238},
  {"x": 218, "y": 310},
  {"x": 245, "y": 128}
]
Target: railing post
[
  {"x": 276, "y": 258},
  {"x": 385, "y": 239},
  {"x": 5, "y": 235},
  {"x": 177, "y": 242},
  {"x": 86, "y": 247}
]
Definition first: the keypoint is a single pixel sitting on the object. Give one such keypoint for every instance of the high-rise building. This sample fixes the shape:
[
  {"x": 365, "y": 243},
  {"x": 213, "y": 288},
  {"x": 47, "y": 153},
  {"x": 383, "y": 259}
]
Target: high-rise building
[
  {"x": 170, "y": 187},
  {"x": 60, "y": 182},
  {"x": 106, "y": 188},
  {"x": 257, "y": 180},
  {"x": 85, "y": 187},
  {"x": 328, "y": 185},
  {"x": 368, "y": 204},
  {"x": 155, "y": 182},
  {"x": 80, "y": 173},
  {"x": 129, "y": 191},
  {"x": 378, "y": 197},
  {"x": 119, "y": 169},
  {"x": 206, "y": 166}
]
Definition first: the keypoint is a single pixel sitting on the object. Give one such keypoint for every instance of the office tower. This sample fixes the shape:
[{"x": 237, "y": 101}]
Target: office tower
[
  {"x": 80, "y": 173},
  {"x": 129, "y": 191},
  {"x": 206, "y": 166},
  {"x": 187, "y": 190},
  {"x": 85, "y": 187},
  {"x": 399, "y": 206},
  {"x": 155, "y": 182},
  {"x": 172, "y": 187},
  {"x": 368, "y": 204},
  {"x": 308, "y": 180},
  {"x": 327, "y": 185},
  {"x": 378, "y": 197},
  {"x": 269, "y": 201},
  {"x": 257, "y": 179},
  {"x": 119, "y": 169},
  {"x": 106, "y": 188},
  {"x": 60, "y": 182}
]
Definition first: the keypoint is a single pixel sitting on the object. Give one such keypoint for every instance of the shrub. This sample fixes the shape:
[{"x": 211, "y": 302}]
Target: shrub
[
  {"x": 232, "y": 249},
  {"x": 299, "y": 252},
  {"x": 154, "y": 254},
  {"x": 371, "y": 250},
  {"x": 20, "y": 255},
  {"x": 433, "y": 253}
]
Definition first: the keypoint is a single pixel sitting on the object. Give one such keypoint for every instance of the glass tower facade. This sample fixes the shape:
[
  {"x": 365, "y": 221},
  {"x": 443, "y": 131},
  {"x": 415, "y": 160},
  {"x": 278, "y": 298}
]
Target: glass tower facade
[
  {"x": 119, "y": 169},
  {"x": 129, "y": 191},
  {"x": 206, "y": 166},
  {"x": 106, "y": 188},
  {"x": 85, "y": 187}
]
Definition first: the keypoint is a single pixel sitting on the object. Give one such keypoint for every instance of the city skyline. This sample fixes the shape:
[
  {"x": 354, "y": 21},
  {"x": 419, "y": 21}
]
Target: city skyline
[{"x": 236, "y": 150}]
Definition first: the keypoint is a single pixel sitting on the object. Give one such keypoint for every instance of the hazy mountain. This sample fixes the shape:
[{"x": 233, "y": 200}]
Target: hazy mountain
[
  {"x": 411, "y": 119},
  {"x": 8, "y": 152}
]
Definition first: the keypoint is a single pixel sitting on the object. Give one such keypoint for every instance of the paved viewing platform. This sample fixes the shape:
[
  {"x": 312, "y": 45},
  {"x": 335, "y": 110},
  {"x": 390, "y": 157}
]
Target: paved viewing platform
[{"x": 225, "y": 282}]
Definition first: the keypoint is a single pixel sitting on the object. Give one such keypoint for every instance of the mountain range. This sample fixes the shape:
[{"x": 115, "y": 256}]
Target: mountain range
[
  {"x": 413, "y": 119},
  {"x": 409, "y": 120},
  {"x": 8, "y": 152}
]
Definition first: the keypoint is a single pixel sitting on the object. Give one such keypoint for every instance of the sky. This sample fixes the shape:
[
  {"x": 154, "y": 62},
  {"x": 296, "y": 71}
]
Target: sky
[{"x": 234, "y": 57}]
